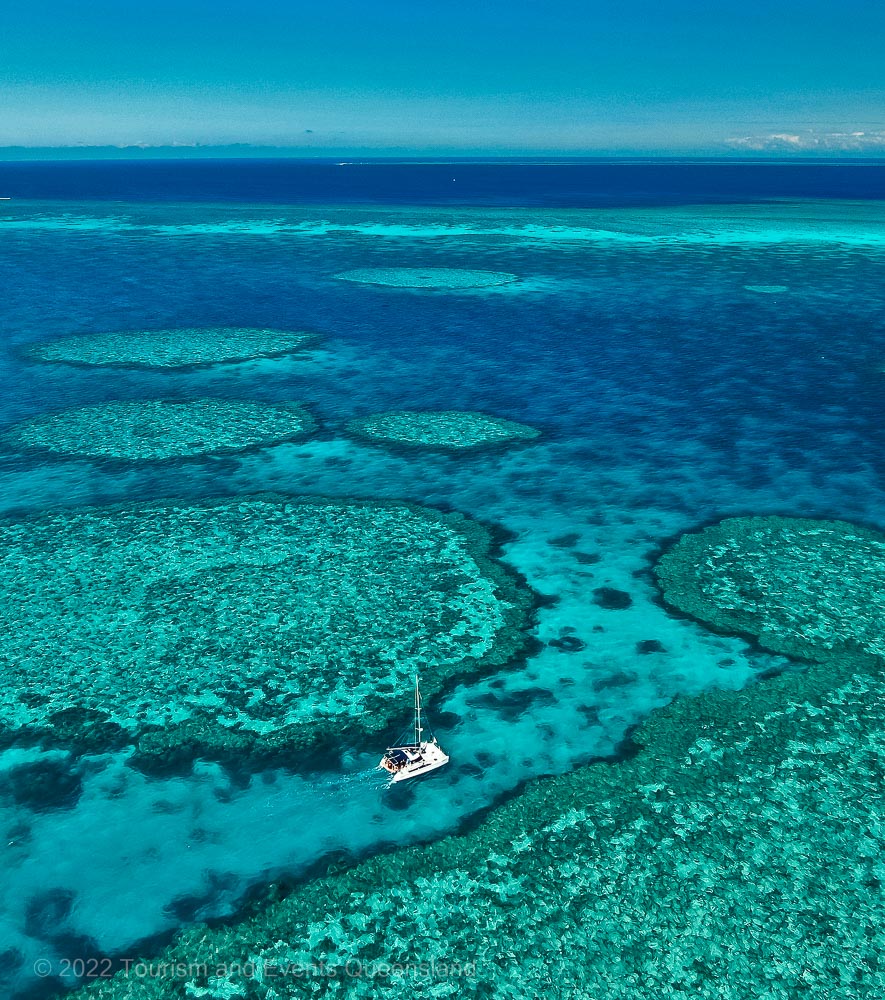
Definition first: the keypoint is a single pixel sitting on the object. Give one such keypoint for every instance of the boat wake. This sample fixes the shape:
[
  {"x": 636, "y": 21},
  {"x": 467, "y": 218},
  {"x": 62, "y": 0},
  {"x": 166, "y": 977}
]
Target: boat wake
[{"x": 335, "y": 784}]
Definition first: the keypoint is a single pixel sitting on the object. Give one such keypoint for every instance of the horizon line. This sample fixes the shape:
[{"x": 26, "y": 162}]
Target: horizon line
[{"x": 356, "y": 156}]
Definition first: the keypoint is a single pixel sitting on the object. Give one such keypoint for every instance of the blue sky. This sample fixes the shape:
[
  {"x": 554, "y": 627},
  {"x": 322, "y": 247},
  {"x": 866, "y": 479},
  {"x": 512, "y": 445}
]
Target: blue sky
[{"x": 521, "y": 76}]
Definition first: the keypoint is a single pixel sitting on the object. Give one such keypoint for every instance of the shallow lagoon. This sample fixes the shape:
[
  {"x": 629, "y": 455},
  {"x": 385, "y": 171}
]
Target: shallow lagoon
[{"x": 668, "y": 395}]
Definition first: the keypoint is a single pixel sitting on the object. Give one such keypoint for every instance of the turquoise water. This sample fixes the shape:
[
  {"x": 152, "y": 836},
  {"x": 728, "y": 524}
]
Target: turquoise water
[{"x": 682, "y": 364}]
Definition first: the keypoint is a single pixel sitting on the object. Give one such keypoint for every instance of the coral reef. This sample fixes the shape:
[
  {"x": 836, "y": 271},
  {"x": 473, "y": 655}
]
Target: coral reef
[
  {"x": 427, "y": 277},
  {"x": 446, "y": 429},
  {"x": 735, "y": 856},
  {"x": 568, "y": 644},
  {"x": 171, "y": 349},
  {"x": 766, "y": 289},
  {"x": 801, "y": 587},
  {"x": 43, "y": 784},
  {"x": 264, "y": 621},
  {"x": 612, "y": 599},
  {"x": 157, "y": 429},
  {"x": 645, "y": 647}
]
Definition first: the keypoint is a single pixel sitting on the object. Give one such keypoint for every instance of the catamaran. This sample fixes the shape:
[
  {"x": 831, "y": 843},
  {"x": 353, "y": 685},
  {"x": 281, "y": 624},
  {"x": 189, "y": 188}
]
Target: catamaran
[{"x": 410, "y": 758}]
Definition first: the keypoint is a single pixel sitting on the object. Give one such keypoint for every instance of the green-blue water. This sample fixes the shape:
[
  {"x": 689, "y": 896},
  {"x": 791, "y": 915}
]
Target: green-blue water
[{"x": 672, "y": 387}]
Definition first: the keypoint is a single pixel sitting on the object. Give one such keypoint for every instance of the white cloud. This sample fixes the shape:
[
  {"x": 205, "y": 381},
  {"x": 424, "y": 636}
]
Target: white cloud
[{"x": 812, "y": 141}]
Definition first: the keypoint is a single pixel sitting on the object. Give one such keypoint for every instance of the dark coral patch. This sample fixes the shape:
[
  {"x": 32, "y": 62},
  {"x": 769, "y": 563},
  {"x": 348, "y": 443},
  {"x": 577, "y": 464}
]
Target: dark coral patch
[
  {"x": 11, "y": 961},
  {"x": 646, "y": 646},
  {"x": 618, "y": 679},
  {"x": 42, "y": 785},
  {"x": 568, "y": 541},
  {"x": 47, "y": 912},
  {"x": 511, "y": 705},
  {"x": 587, "y": 558},
  {"x": 611, "y": 599},
  {"x": 568, "y": 644}
]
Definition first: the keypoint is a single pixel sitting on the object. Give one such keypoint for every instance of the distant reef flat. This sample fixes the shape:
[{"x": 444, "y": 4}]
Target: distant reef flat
[
  {"x": 181, "y": 349},
  {"x": 427, "y": 277},
  {"x": 150, "y": 430},
  {"x": 243, "y": 625},
  {"x": 447, "y": 430},
  {"x": 767, "y": 289}
]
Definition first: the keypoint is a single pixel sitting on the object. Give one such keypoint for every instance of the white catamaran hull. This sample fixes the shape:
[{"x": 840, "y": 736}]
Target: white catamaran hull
[{"x": 429, "y": 759}]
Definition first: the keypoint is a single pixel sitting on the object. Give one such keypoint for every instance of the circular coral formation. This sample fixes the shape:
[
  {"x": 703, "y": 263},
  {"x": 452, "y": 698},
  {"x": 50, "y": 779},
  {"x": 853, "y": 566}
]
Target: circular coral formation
[
  {"x": 159, "y": 429},
  {"x": 265, "y": 622},
  {"x": 427, "y": 277},
  {"x": 800, "y": 587},
  {"x": 171, "y": 349},
  {"x": 448, "y": 429}
]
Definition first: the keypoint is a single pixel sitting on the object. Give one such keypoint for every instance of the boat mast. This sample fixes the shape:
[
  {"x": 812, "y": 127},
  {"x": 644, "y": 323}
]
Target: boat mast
[{"x": 418, "y": 726}]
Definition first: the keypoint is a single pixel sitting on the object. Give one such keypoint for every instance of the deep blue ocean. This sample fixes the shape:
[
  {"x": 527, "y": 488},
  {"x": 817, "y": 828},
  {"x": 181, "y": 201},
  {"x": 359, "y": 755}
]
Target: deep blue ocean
[
  {"x": 559, "y": 183},
  {"x": 694, "y": 341}
]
